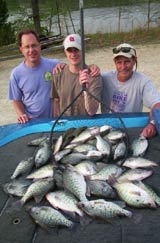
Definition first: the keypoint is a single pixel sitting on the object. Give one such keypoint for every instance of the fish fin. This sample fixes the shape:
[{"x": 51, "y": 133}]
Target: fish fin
[{"x": 38, "y": 199}]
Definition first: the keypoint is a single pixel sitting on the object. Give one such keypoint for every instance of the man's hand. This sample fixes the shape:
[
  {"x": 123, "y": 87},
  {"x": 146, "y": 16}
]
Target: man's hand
[
  {"x": 149, "y": 131},
  {"x": 94, "y": 70},
  {"x": 58, "y": 68},
  {"x": 23, "y": 118}
]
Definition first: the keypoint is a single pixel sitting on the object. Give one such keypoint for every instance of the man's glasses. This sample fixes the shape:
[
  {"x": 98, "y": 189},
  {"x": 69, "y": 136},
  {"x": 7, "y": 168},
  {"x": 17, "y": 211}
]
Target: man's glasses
[{"x": 122, "y": 49}]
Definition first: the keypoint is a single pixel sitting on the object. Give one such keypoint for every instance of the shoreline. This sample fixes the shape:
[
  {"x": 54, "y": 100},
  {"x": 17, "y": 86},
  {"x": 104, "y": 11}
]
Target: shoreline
[{"x": 148, "y": 63}]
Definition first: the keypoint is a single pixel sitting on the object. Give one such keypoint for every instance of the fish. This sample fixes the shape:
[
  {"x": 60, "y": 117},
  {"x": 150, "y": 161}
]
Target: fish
[
  {"x": 102, "y": 145},
  {"x": 103, "y": 209},
  {"x": 75, "y": 182},
  {"x": 58, "y": 145},
  {"x": 84, "y": 148},
  {"x": 36, "y": 190},
  {"x": 100, "y": 189},
  {"x": 48, "y": 217},
  {"x": 120, "y": 151},
  {"x": 42, "y": 172},
  {"x": 136, "y": 174},
  {"x": 65, "y": 201},
  {"x": 139, "y": 146},
  {"x": 133, "y": 195},
  {"x": 138, "y": 162},
  {"x": 42, "y": 155},
  {"x": 59, "y": 155},
  {"x": 37, "y": 141},
  {"x": 16, "y": 187},
  {"x": 151, "y": 192},
  {"x": 23, "y": 167},
  {"x": 73, "y": 158},
  {"x": 83, "y": 136},
  {"x": 86, "y": 167},
  {"x": 106, "y": 172},
  {"x": 115, "y": 135}
]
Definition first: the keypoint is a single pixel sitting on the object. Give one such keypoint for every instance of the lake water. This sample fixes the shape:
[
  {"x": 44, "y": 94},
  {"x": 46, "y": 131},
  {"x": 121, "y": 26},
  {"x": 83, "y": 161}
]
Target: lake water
[{"x": 106, "y": 20}]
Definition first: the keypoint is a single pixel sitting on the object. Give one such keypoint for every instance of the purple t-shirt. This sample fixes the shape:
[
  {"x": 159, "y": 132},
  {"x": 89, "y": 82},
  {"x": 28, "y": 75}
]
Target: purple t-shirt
[{"x": 32, "y": 86}]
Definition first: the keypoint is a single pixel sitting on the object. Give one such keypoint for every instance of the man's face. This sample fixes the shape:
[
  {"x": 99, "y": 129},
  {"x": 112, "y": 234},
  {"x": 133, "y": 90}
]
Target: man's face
[
  {"x": 124, "y": 67},
  {"x": 74, "y": 56},
  {"x": 31, "y": 49}
]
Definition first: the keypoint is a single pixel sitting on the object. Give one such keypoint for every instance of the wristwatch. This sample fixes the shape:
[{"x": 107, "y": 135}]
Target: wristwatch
[{"x": 152, "y": 122}]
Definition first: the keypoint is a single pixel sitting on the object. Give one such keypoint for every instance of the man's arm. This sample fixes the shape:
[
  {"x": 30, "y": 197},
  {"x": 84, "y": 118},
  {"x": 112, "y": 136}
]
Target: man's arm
[{"x": 150, "y": 130}]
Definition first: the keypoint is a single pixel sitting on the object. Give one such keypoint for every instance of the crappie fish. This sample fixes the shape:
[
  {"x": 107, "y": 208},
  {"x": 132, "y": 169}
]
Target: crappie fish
[
  {"x": 103, "y": 209},
  {"x": 36, "y": 190},
  {"x": 58, "y": 144},
  {"x": 65, "y": 201},
  {"x": 84, "y": 148},
  {"x": 23, "y": 167},
  {"x": 43, "y": 172},
  {"x": 106, "y": 172},
  {"x": 83, "y": 136},
  {"x": 86, "y": 167},
  {"x": 94, "y": 155},
  {"x": 133, "y": 195},
  {"x": 73, "y": 158},
  {"x": 151, "y": 192},
  {"x": 48, "y": 217},
  {"x": 100, "y": 189},
  {"x": 139, "y": 146},
  {"x": 59, "y": 155},
  {"x": 74, "y": 182},
  {"x": 115, "y": 135},
  {"x": 102, "y": 145},
  {"x": 135, "y": 175},
  {"x": 120, "y": 151},
  {"x": 16, "y": 187},
  {"x": 42, "y": 155},
  {"x": 138, "y": 162},
  {"x": 37, "y": 141}
]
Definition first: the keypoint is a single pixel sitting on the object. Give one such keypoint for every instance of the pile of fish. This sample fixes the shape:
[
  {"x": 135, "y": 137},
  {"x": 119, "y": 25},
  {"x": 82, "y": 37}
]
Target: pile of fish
[{"x": 86, "y": 173}]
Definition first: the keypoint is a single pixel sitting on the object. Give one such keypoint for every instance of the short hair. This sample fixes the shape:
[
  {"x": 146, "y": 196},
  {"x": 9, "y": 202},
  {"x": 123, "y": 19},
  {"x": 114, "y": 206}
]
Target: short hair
[{"x": 25, "y": 32}]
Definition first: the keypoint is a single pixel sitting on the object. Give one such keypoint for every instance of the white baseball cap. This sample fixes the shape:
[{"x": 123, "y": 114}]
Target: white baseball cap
[
  {"x": 73, "y": 40},
  {"x": 125, "y": 50}
]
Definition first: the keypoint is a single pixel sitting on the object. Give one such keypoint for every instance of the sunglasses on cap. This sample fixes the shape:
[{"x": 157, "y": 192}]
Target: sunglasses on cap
[{"x": 122, "y": 49}]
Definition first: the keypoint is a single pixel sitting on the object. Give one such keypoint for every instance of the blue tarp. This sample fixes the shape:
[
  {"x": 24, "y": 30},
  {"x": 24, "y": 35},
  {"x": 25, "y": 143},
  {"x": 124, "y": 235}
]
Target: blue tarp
[{"x": 11, "y": 132}]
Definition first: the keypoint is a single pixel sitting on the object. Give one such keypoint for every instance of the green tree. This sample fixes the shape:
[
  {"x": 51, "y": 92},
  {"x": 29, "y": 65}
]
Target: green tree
[{"x": 6, "y": 32}]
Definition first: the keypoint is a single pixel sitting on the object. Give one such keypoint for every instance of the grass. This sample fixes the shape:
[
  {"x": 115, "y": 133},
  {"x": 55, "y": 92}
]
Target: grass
[{"x": 100, "y": 40}]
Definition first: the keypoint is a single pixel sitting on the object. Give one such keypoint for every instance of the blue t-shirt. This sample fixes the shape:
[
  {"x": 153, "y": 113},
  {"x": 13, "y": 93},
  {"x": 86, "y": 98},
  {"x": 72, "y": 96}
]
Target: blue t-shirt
[{"x": 32, "y": 86}]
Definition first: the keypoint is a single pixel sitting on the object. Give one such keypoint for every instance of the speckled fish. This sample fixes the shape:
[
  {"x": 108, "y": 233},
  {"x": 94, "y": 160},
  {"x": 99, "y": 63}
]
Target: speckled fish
[
  {"x": 135, "y": 175},
  {"x": 100, "y": 189},
  {"x": 94, "y": 155},
  {"x": 86, "y": 167},
  {"x": 43, "y": 172},
  {"x": 103, "y": 209},
  {"x": 75, "y": 182},
  {"x": 59, "y": 155},
  {"x": 37, "y": 141},
  {"x": 73, "y": 158},
  {"x": 42, "y": 155},
  {"x": 48, "y": 217},
  {"x": 84, "y": 148},
  {"x": 58, "y": 144},
  {"x": 138, "y": 162},
  {"x": 133, "y": 195},
  {"x": 65, "y": 201},
  {"x": 102, "y": 145},
  {"x": 115, "y": 135},
  {"x": 108, "y": 171},
  {"x": 151, "y": 192},
  {"x": 36, "y": 190},
  {"x": 16, "y": 187},
  {"x": 120, "y": 151},
  {"x": 139, "y": 146},
  {"x": 23, "y": 167},
  {"x": 83, "y": 136}
]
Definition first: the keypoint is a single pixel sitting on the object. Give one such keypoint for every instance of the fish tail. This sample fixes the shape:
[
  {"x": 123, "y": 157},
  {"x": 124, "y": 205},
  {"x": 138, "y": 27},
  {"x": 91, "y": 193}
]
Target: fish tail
[{"x": 18, "y": 205}]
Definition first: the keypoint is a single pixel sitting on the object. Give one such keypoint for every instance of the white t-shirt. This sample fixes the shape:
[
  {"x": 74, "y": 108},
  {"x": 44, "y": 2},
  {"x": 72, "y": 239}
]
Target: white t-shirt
[{"x": 128, "y": 96}]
